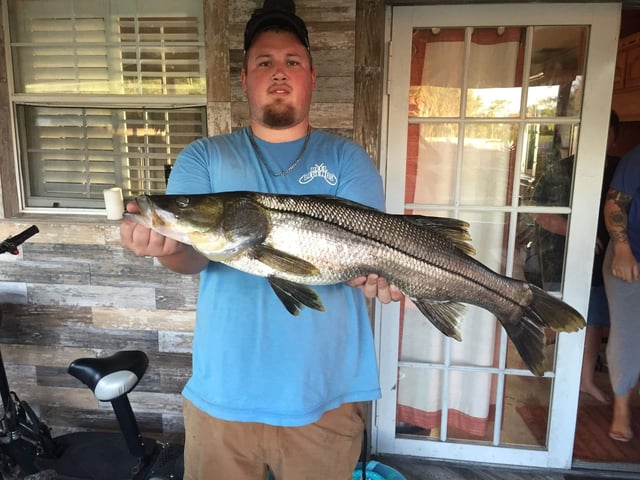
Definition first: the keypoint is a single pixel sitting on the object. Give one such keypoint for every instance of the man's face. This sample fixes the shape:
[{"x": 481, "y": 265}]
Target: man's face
[{"x": 278, "y": 79}]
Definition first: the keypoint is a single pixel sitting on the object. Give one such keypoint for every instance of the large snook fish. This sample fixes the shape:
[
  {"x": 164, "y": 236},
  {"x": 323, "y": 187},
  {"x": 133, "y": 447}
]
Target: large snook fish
[{"x": 296, "y": 241}]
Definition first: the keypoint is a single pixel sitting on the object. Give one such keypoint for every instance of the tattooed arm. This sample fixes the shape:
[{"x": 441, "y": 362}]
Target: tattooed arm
[{"x": 616, "y": 206}]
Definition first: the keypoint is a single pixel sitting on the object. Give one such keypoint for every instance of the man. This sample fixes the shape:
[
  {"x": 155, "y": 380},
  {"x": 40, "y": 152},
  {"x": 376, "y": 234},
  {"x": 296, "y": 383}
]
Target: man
[{"x": 269, "y": 391}]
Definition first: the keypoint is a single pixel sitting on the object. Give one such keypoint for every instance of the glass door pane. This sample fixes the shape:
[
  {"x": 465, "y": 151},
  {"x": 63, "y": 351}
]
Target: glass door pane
[
  {"x": 469, "y": 162},
  {"x": 493, "y": 103}
]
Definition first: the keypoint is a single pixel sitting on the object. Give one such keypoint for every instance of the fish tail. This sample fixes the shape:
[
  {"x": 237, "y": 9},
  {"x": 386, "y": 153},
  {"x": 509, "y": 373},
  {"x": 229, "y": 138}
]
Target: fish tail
[
  {"x": 554, "y": 313},
  {"x": 528, "y": 335}
]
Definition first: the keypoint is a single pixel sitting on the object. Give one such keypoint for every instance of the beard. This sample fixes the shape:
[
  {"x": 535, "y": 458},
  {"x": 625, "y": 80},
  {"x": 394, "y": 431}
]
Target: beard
[{"x": 279, "y": 116}]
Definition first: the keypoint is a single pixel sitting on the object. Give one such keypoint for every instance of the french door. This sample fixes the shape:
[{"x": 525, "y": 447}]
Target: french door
[{"x": 483, "y": 101}]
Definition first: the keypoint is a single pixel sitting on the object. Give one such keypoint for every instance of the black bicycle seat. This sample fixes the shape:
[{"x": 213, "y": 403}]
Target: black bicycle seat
[{"x": 113, "y": 376}]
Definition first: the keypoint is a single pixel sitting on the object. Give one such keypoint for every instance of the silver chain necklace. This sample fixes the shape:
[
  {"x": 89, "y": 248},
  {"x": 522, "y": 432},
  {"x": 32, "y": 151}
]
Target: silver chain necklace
[{"x": 264, "y": 161}]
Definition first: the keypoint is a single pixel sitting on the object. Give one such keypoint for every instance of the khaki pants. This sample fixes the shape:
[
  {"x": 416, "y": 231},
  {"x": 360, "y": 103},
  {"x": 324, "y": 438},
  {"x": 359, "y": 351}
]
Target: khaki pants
[{"x": 221, "y": 450}]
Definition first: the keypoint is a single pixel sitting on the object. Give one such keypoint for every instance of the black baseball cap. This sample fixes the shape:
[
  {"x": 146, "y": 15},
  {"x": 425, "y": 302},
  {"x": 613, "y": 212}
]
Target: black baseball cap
[{"x": 276, "y": 14}]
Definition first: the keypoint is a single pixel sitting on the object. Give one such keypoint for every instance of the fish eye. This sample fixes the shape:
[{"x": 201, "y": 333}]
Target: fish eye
[{"x": 182, "y": 202}]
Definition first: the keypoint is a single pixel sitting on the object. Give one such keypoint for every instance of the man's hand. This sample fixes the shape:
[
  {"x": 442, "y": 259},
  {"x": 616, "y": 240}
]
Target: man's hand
[
  {"x": 145, "y": 242},
  {"x": 374, "y": 286},
  {"x": 174, "y": 255}
]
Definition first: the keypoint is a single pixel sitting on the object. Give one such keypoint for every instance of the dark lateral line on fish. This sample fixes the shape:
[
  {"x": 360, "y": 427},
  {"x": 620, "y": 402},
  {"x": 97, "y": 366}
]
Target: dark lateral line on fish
[{"x": 278, "y": 206}]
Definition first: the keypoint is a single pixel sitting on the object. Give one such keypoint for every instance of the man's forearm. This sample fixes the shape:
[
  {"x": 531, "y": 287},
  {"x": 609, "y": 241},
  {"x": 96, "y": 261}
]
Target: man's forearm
[{"x": 187, "y": 261}]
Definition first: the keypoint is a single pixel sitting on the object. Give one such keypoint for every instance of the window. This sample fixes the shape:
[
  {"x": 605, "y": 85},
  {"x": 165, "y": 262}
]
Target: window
[{"x": 105, "y": 93}]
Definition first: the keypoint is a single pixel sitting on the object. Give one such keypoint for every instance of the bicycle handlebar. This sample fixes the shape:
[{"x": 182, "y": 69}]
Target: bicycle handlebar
[{"x": 10, "y": 244}]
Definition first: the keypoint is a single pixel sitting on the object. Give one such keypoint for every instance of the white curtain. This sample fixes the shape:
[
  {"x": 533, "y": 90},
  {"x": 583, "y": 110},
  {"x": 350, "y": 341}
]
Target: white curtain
[{"x": 480, "y": 177}]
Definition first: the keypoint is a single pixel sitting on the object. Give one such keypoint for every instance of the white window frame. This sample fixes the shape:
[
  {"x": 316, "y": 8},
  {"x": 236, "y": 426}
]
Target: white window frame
[{"x": 604, "y": 22}]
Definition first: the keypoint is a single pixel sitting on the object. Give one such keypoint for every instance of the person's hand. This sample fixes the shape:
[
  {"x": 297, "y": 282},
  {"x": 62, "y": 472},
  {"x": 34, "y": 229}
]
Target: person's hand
[
  {"x": 374, "y": 286},
  {"x": 145, "y": 242},
  {"x": 624, "y": 265}
]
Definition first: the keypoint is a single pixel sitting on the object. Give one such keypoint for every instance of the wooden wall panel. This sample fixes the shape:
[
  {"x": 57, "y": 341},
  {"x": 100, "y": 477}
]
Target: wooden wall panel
[{"x": 86, "y": 296}]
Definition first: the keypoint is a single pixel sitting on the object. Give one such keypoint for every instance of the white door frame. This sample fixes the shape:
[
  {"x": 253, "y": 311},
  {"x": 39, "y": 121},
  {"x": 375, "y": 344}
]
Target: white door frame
[{"x": 603, "y": 20}]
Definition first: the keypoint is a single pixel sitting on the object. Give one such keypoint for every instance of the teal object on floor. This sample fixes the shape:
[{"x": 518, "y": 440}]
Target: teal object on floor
[
  {"x": 374, "y": 471},
  {"x": 377, "y": 471}
]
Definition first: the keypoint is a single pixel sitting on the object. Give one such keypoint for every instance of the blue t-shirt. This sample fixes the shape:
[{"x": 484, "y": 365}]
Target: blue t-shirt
[
  {"x": 627, "y": 180},
  {"x": 253, "y": 360}
]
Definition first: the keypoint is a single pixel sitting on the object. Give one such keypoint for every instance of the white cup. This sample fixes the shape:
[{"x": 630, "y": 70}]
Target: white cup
[{"x": 114, "y": 203}]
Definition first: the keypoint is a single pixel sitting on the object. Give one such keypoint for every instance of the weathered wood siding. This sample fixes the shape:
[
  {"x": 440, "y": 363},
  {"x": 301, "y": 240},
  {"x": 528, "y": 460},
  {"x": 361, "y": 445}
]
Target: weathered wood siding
[{"x": 74, "y": 291}]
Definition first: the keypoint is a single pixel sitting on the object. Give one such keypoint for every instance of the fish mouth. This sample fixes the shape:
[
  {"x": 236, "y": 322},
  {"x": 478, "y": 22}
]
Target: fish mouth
[
  {"x": 163, "y": 221},
  {"x": 153, "y": 215},
  {"x": 144, "y": 216},
  {"x": 145, "y": 205}
]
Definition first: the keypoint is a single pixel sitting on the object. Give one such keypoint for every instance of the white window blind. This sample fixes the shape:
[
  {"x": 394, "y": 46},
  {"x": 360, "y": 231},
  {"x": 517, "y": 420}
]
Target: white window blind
[
  {"x": 74, "y": 153},
  {"x": 106, "y": 93},
  {"x": 68, "y": 55},
  {"x": 160, "y": 55}
]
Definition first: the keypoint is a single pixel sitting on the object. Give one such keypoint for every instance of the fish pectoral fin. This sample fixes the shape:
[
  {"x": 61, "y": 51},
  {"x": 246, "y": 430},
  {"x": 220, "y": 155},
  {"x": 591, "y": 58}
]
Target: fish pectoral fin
[
  {"x": 445, "y": 316},
  {"x": 282, "y": 261},
  {"x": 295, "y": 296}
]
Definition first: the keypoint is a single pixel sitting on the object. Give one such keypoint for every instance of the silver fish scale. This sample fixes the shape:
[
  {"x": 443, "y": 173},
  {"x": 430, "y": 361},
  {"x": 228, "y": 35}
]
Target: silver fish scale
[
  {"x": 345, "y": 241},
  {"x": 391, "y": 230}
]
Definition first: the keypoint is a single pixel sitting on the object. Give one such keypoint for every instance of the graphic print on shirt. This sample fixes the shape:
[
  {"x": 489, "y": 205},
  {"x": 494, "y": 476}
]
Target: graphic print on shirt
[{"x": 318, "y": 170}]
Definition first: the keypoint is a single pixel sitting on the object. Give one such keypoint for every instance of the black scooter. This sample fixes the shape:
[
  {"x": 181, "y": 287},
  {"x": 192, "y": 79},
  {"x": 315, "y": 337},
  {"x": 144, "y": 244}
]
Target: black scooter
[{"x": 28, "y": 451}]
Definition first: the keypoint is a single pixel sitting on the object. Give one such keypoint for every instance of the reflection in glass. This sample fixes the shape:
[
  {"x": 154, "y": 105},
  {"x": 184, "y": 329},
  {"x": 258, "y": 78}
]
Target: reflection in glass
[
  {"x": 431, "y": 163},
  {"x": 526, "y": 253},
  {"x": 430, "y": 382},
  {"x": 526, "y": 411},
  {"x": 466, "y": 417},
  {"x": 548, "y": 166},
  {"x": 436, "y": 72},
  {"x": 489, "y": 233},
  {"x": 473, "y": 149},
  {"x": 514, "y": 361},
  {"x": 494, "y": 77},
  {"x": 556, "y": 73},
  {"x": 525, "y": 403},
  {"x": 494, "y": 73},
  {"x": 545, "y": 252},
  {"x": 469, "y": 395},
  {"x": 547, "y": 145},
  {"x": 487, "y": 164}
]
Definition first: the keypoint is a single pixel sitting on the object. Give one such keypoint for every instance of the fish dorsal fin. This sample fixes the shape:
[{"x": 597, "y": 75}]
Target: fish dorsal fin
[
  {"x": 445, "y": 316},
  {"x": 295, "y": 296},
  {"x": 454, "y": 230},
  {"x": 282, "y": 261}
]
